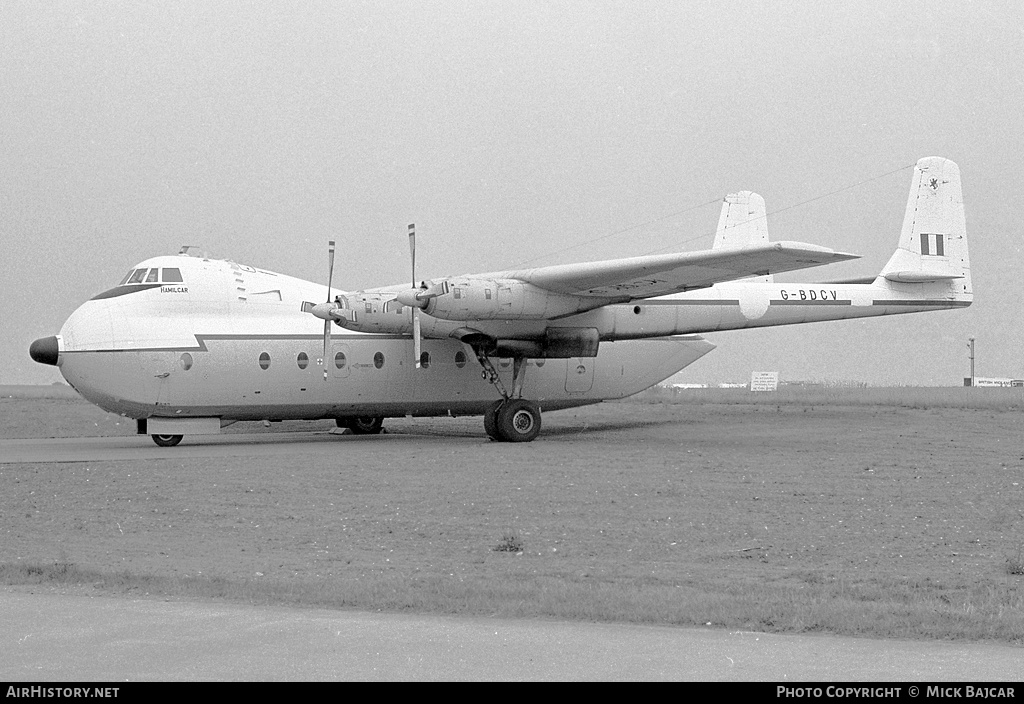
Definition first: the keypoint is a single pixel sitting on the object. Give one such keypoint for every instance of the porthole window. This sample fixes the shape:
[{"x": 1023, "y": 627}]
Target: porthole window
[
  {"x": 340, "y": 361},
  {"x": 425, "y": 360},
  {"x": 302, "y": 360},
  {"x": 378, "y": 360},
  {"x": 460, "y": 359},
  {"x": 540, "y": 362},
  {"x": 636, "y": 310},
  {"x": 264, "y": 361},
  {"x": 185, "y": 361}
]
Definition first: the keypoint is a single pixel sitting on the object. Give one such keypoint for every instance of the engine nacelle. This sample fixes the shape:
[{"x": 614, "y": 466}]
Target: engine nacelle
[
  {"x": 557, "y": 343},
  {"x": 373, "y": 312},
  {"x": 500, "y": 299}
]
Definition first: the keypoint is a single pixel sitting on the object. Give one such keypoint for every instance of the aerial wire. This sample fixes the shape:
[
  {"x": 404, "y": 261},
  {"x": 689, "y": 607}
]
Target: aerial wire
[
  {"x": 619, "y": 232},
  {"x": 794, "y": 205},
  {"x": 675, "y": 245}
]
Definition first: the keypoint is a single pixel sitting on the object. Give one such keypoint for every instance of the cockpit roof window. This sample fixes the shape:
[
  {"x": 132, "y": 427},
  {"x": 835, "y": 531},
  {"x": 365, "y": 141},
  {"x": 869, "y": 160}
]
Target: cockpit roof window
[{"x": 172, "y": 276}]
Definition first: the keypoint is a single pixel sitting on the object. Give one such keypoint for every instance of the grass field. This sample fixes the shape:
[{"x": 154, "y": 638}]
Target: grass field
[
  {"x": 892, "y": 513},
  {"x": 993, "y": 398}
]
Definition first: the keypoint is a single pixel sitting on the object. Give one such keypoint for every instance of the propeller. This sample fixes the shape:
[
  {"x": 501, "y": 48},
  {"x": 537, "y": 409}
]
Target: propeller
[
  {"x": 416, "y": 344},
  {"x": 418, "y": 297}
]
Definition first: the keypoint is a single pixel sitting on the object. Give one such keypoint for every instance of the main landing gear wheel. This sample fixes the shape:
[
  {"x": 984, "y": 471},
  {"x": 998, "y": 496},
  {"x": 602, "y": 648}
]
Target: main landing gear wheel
[
  {"x": 491, "y": 420},
  {"x": 512, "y": 419},
  {"x": 515, "y": 420},
  {"x": 166, "y": 440},
  {"x": 363, "y": 425}
]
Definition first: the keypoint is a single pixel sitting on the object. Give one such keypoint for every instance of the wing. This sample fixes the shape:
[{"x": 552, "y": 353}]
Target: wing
[{"x": 658, "y": 275}]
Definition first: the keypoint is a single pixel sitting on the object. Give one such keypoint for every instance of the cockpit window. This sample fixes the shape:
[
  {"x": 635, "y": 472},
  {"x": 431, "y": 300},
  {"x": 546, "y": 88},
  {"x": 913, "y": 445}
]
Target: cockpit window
[
  {"x": 147, "y": 278},
  {"x": 152, "y": 276}
]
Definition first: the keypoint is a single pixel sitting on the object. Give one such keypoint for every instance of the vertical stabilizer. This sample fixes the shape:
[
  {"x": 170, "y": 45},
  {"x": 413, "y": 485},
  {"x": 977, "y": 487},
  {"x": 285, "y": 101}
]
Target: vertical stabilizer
[
  {"x": 933, "y": 242},
  {"x": 743, "y": 222}
]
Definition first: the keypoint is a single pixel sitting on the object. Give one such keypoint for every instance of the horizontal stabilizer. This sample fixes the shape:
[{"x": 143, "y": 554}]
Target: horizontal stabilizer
[{"x": 919, "y": 277}]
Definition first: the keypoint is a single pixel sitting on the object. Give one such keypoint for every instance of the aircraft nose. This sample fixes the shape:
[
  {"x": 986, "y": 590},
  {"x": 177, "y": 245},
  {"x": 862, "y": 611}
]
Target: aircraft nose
[{"x": 45, "y": 350}]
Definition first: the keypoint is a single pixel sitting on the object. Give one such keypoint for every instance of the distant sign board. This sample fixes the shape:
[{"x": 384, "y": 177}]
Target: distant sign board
[
  {"x": 993, "y": 381},
  {"x": 764, "y": 381}
]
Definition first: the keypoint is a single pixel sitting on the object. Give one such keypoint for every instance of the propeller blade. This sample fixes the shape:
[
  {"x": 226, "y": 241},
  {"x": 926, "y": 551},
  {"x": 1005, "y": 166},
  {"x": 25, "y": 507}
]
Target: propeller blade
[
  {"x": 330, "y": 267},
  {"x": 416, "y": 343},
  {"x": 412, "y": 251},
  {"x": 416, "y": 335},
  {"x": 327, "y": 337},
  {"x": 327, "y": 321}
]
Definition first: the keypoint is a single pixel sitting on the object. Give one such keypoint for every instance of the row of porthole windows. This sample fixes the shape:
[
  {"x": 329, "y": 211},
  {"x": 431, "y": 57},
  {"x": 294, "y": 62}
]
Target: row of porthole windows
[{"x": 340, "y": 360}]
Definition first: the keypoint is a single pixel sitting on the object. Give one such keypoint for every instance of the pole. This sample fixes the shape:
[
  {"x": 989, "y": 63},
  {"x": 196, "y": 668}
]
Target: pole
[{"x": 970, "y": 344}]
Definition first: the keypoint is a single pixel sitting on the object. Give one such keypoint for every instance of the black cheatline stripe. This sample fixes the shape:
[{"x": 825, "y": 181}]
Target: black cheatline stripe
[
  {"x": 123, "y": 291},
  {"x": 801, "y": 302},
  {"x": 715, "y": 302},
  {"x": 923, "y": 302}
]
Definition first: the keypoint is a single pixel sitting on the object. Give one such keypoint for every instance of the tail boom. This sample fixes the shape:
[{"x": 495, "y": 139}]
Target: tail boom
[{"x": 929, "y": 270}]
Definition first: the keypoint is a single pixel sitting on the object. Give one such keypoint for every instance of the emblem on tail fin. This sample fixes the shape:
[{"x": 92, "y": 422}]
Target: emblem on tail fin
[{"x": 933, "y": 244}]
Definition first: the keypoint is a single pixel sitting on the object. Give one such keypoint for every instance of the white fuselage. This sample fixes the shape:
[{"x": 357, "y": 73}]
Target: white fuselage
[
  {"x": 233, "y": 342},
  {"x": 236, "y": 343}
]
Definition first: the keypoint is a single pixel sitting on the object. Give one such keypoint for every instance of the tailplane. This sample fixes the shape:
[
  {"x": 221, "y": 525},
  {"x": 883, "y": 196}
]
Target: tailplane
[
  {"x": 933, "y": 242},
  {"x": 743, "y": 222}
]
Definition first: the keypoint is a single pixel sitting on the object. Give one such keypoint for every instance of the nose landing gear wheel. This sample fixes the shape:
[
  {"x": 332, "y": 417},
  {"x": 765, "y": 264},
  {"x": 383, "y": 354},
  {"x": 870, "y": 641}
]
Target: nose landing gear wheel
[
  {"x": 166, "y": 440},
  {"x": 515, "y": 420}
]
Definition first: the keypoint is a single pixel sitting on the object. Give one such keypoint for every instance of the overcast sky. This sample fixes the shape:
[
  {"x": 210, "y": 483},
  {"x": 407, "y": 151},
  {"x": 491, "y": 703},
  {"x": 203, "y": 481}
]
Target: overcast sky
[{"x": 511, "y": 133}]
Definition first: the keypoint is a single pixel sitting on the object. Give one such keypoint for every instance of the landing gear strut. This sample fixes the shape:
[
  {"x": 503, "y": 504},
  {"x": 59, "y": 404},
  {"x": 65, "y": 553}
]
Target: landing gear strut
[{"x": 513, "y": 419}]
